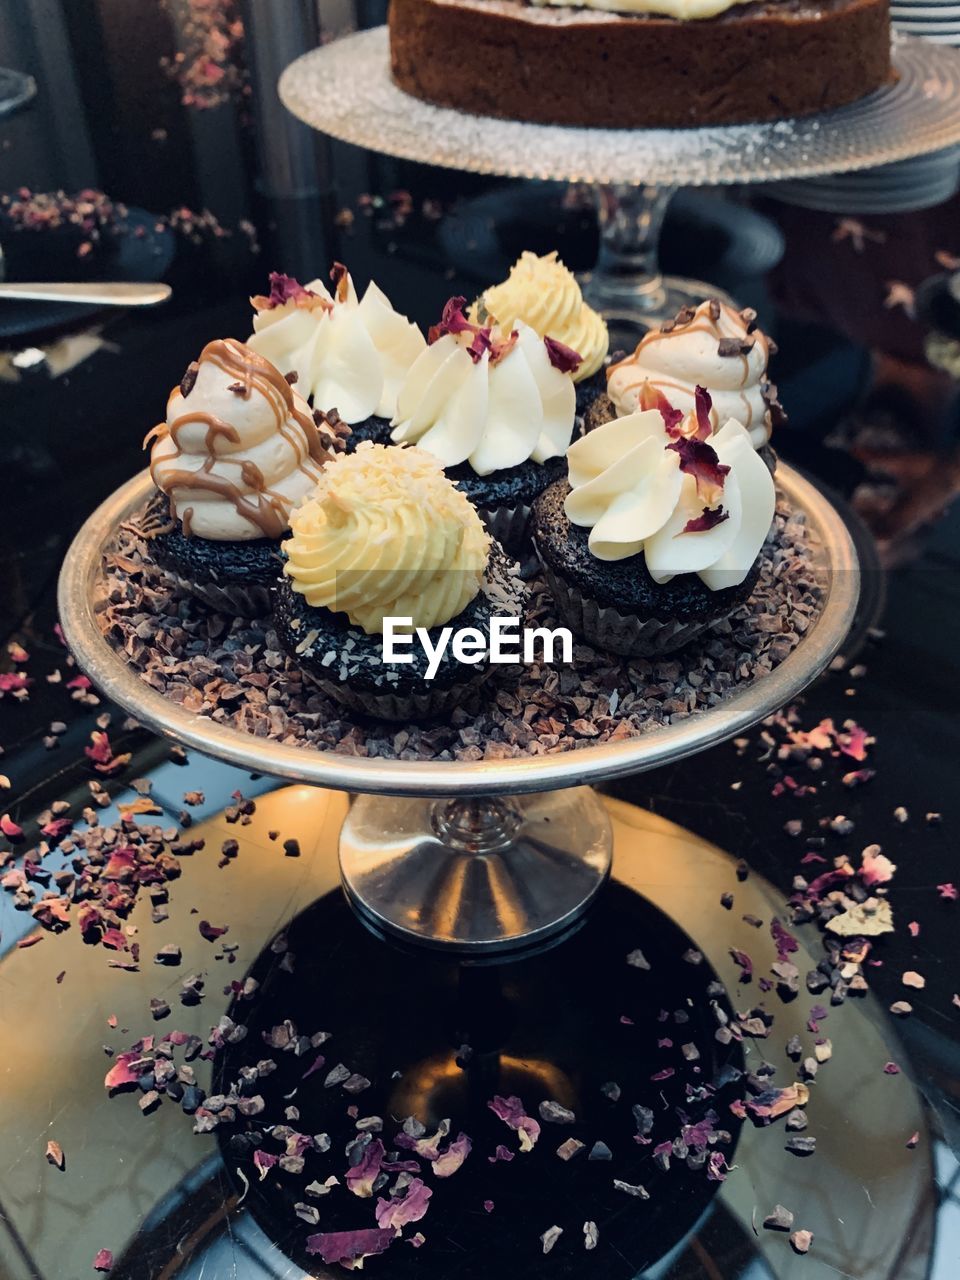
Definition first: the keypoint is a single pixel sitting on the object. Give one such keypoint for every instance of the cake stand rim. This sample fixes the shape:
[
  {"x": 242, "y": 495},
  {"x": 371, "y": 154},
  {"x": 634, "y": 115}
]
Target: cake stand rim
[
  {"x": 712, "y": 173},
  {"x": 741, "y": 710}
]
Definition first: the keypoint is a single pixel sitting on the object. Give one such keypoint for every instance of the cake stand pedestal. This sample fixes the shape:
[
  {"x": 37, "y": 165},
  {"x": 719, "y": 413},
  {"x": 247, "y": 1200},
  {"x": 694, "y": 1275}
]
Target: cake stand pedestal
[
  {"x": 474, "y": 858},
  {"x": 344, "y": 89}
]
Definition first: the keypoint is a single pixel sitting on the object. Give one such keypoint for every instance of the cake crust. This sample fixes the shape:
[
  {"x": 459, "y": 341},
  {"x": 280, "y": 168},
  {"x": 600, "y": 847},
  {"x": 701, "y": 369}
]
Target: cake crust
[{"x": 765, "y": 60}]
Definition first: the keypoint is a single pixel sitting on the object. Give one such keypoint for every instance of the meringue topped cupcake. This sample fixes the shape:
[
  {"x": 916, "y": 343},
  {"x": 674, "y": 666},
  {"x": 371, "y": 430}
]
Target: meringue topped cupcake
[
  {"x": 386, "y": 535},
  {"x": 711, "y": 346},
  {"x": 350, "y": 355},
  {"x": 659, "y": 532},
  {"x": 497, "y": 408},
  {"x": 237, "y": 451},
  {"x": 542, "y": 293}
]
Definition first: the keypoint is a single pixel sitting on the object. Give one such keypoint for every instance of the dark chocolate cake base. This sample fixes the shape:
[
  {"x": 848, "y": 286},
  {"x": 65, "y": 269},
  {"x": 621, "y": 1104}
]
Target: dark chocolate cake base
[
  {"x": 766, "y": 60},
  {"x": 615, "y": 603},
  {"x": 231, "y": 575},
  {"x": 349, "y": 665}
]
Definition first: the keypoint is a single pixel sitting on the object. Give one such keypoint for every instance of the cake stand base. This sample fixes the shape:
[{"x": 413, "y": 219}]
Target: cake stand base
[{"x": 476, "y": 877}]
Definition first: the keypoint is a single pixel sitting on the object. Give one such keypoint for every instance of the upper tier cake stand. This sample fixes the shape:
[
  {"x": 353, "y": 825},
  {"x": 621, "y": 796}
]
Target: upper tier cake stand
[
  {"x": 475, "y": 858},
  {"x": 344, "y": 89}
]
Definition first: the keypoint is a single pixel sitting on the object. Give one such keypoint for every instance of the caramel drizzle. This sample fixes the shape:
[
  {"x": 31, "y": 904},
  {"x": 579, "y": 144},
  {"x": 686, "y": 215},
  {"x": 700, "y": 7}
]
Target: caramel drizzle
[
  {"x": 701, "y": 322},
  {"x": 262, "y": 508}
]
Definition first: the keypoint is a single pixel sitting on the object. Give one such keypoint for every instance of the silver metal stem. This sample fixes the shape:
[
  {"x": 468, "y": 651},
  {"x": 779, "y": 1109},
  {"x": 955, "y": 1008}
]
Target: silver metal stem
[{"x": 476, "y": 876}]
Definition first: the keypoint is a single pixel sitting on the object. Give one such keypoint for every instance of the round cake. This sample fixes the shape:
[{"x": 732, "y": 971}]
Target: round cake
[{"x": 640, "y": 63}]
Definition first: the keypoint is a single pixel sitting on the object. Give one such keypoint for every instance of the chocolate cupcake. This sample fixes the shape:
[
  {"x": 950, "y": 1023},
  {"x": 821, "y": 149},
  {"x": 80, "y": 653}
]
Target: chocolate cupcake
[
  {"x": 711, "y": 346},
  {"x": 542, "y": 293},
  {"x": 497, "y": 408},
  {"x": 350, "y": 356},
  {"x": 386, "y": 535},
  {"x": 238, "y": 450},
  {"x": 659, "y": 531}
]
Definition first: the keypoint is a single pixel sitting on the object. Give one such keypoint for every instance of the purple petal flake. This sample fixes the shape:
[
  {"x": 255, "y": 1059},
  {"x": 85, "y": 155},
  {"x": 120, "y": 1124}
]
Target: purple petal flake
[
  {"x": 561, "y": 356},
  {"x": 283, "y": 289},
  {"x": 703, "y": 407},
  {"x": 948, "y": 892},
  {"x": 264, "y": 1162},
  {"x": 511, "y": 1112},
  {"x": 744, "y": 963},
  {"x": 362, "y": 1176},
  {"x": 350, "y": 1246},
  {"x": 700, "y": 460},
  {"x": 785, "y": 942},
  {"x": 449, "y": 1161},
  {"x": 317, "y": 1063},
  {"x": 716, "y": 1167},
  {"x": 103, "y": 1260},
  {"x": 501, "y": 1153},
  {"x": 413, "y": 1206},
  {"x": 653, "y": 398},
  {"x": 708, "y": 519}
]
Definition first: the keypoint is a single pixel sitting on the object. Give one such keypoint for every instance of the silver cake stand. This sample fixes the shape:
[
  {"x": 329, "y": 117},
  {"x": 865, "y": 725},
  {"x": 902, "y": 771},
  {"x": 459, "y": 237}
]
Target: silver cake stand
[
  {"x": 476, "y": 858},
  {"x": 344, "y": 89}
]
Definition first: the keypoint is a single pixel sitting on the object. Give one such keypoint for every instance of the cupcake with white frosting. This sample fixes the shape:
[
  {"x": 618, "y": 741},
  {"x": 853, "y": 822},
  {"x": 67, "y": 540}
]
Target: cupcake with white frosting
[
  {"x": 497, "y": 407},
  {"x": 542, "y": 293},
  {"x": 350, "y": 354},
  {"x": 712, "y": 346},
  {"x": 238, "y": 449},
  {"x": 659, "y": 532},
  {"x": 385, "y": 535}
]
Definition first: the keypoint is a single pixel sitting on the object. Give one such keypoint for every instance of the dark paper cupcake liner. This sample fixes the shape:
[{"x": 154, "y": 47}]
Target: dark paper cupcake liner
[
  {"x": 510, "y": 526},
  {"x": 628, "y": 635},
  {"x": 425, "y": 704},
  {"x": 252, "y": 601}
]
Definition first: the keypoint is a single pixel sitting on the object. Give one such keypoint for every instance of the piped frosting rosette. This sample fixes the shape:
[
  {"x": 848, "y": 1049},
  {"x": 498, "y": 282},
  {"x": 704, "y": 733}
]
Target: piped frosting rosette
[
  {"x": 691, "y": 501},
  {"x": 542, "y": 293},
  {"x": 492, "y": 398},
  {"x": 385, "y": 534},
  {"x": 349, "y": 354},
  {"x": 712, "y": 346},
  {"x": 239, "y": 448}
]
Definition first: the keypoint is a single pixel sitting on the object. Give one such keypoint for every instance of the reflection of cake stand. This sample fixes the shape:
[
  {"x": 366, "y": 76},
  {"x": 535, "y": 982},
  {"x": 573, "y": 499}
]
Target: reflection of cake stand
[
  {"x": 476, "y": 858},
  {"x": 344, "y": 89}
]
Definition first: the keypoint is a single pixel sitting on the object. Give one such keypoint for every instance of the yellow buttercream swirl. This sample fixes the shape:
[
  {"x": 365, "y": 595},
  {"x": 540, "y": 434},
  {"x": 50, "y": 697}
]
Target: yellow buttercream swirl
[
  {"x": 386, "y": 534},
  {"x": 544, "y": 294}
]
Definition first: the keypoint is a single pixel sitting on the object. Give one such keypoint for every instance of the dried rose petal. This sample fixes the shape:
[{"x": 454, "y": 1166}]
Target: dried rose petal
[
  {"x": 449, "y": 1161},
  {"x": 211, "y": 931},
  {"x": 511, "y": 1112},
  {"x": 413, "y": 1206},
  {"x": 103, "y": 1260},
  {"x": 703, "y": 405},
  {"x": 653, "y": 398},
  {"x": 561, "y": 356},
  {"x": 54, "y": 1153},
  {"x": 349, "y": 1246},
  {"x": 708, "y": 519},
  {"x": 361, "y": 1177},
  {"x": 12, "y": 830},
  {"x": 700, "y": 460}
]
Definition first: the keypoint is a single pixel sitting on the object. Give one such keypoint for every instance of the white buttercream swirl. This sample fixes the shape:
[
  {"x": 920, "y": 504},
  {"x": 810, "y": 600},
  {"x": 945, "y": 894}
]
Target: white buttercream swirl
[
  {"x": 239, "y": 451},
  {"x": 493, "y": 414},
  {"x": 349, "y": 355},
  {"x": 678, "y": 361},
  {"x": 627, "y": 487}
]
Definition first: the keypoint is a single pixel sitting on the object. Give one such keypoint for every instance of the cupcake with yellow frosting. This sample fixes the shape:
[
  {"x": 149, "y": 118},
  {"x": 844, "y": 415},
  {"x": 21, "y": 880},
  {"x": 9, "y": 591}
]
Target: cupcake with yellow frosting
[
  {"x": 659, "y": 532},
  {"x": 542, "y": 293},
  {"x": 237, "y": 451},
  {"x": 384, "y": 546},
  {"x": 497, "y": 407},
  {"x": 349, "y": 354}
]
